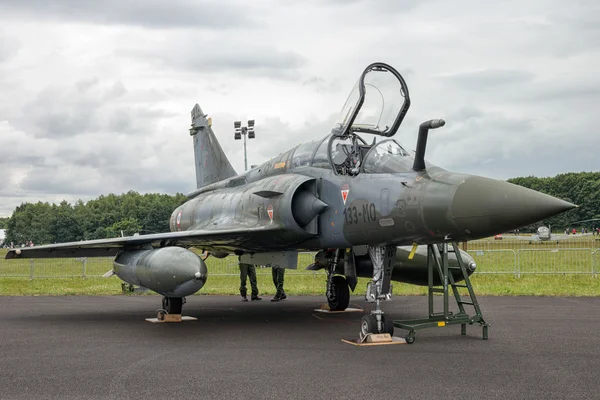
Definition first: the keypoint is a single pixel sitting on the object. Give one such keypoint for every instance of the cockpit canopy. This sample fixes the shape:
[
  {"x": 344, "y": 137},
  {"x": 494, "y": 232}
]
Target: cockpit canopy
[
  {"x": 543, "y": 231},
  {"x": 386, "y": 156},
  {"x": 376, "y": 105}
]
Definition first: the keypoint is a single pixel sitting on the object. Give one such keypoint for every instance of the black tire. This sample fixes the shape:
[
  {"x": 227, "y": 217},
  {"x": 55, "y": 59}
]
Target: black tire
[
  {"x": 388, "y": 325},
  {"x": 340, "y": 296},
  {"x": 368, "y": 324},
  {"x": 172, "y": 305},
  {"x": 127, "y": 287},
  {"x": 410, "y": 338}
]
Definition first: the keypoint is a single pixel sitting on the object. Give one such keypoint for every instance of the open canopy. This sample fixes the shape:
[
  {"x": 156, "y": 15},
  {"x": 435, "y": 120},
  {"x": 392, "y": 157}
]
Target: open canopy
[{"x": 377, "y": 104}]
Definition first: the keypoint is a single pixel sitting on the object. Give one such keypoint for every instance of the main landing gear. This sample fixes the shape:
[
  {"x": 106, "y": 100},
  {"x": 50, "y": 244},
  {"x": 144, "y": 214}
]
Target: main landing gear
[
  {"x": 338, "y": 291},
  {"x": 379, "y": 289},
  {"x": 173, "y": 305},
  {"x": 171, "y": 311}
]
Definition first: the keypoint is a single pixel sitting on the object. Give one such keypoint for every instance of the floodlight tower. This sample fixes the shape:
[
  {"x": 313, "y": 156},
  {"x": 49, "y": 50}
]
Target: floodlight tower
[{"x": 244, "y": 130}]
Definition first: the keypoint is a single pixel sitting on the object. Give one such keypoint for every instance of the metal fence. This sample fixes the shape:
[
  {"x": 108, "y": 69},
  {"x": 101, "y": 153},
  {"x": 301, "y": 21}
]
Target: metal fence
[
  {"x": 523, "y": 257},
  {"x": 507, "y": 256}
]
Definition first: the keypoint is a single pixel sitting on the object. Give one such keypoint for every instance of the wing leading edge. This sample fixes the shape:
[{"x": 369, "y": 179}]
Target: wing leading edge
[{"x": 208, "y": 239}]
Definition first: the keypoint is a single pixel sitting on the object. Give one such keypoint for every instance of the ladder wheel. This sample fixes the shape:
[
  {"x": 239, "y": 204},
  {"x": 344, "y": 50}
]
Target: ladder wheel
[{"x": 410, "y": 338}]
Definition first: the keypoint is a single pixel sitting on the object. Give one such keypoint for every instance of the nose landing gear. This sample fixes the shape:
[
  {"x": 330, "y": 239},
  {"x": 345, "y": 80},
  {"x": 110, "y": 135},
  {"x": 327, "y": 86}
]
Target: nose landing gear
[{"x": 379, "y": 289}]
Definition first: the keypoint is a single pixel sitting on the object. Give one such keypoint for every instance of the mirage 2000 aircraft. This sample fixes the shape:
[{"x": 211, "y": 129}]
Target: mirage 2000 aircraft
[{"x": 355, "y": 203}]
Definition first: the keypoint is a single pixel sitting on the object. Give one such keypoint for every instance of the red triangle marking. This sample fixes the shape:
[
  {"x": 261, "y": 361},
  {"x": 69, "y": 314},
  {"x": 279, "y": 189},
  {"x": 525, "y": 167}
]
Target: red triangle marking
[{"x": 345, "y": 195}]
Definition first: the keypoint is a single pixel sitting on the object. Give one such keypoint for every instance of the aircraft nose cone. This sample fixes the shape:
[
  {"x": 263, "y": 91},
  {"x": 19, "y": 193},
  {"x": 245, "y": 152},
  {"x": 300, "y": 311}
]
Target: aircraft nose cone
[{"x": 483, "y": 207}]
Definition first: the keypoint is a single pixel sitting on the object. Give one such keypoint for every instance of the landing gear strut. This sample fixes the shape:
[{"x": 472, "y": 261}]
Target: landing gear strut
[
  {"x": 379, "y": 289},
  {"x": 172, "y": 305}
]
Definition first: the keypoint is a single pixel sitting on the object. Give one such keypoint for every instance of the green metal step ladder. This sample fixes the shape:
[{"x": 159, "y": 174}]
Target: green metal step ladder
[{"x": 437, "y": 260}]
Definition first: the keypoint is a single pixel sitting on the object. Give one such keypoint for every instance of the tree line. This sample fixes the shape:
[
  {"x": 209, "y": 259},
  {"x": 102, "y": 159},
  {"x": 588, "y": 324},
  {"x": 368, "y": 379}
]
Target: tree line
[
  {"x": 129, "y": 213},
  {"x": 104, "y": 217}
]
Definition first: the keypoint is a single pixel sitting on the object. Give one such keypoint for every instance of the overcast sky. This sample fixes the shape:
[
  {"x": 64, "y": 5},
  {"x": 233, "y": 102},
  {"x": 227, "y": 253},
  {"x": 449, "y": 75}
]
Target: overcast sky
[{"x": 96, "y": 98}]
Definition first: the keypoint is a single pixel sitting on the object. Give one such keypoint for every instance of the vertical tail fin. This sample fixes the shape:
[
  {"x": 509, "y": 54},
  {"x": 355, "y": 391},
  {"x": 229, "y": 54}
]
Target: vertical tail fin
[{"x": 212, "y": 164}]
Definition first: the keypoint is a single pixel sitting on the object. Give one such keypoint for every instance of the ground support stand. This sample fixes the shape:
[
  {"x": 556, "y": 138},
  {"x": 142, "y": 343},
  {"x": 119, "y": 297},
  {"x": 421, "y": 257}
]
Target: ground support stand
[{"x": 437, "y": 259}]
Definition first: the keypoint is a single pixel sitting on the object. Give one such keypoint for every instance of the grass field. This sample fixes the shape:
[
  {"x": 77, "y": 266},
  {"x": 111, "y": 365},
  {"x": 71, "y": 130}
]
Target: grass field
[{"x": 505, "y": 267}]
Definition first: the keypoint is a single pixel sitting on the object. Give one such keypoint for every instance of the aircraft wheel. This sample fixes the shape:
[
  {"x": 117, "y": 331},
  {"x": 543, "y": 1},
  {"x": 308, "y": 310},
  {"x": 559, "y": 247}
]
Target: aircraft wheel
[
  {"x": 127, "y": 287},
  {"x": 172, "y": 305},
  {"x": 368, "y": 324},
  {"x": 410, "y": 338},
  {"x": 388, "y": 325},
  {"x": 339, "y": 299}
]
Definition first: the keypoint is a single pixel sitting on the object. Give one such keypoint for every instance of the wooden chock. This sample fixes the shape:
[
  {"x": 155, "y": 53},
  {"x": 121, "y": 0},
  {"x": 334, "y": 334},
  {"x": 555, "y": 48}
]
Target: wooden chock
[
  {"x": 171, "y": 318},
  {"x": 379, "y": 338}
]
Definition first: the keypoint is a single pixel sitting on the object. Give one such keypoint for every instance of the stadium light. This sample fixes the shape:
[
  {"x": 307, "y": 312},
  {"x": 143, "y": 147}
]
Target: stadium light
[{"x": 240, "y": 131}]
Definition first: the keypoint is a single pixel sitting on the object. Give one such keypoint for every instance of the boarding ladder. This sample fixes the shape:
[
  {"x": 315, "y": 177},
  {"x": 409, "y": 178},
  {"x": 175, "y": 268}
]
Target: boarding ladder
[{"x": 437, "y": 262}]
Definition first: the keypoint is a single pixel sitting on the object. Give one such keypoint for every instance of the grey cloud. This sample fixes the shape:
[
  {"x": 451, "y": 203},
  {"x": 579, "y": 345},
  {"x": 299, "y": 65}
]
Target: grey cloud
[
  {"x": 488, "y": 78},
  {"x": 562, "y": 91},
  {"x": 322, "y": 85},
  {"x": 89, "y": 182},
  {"x": 254, "y": 59},
  {"x": 575, "y": 31},
  {"x": 48, "y": 180},
  {"x": 464, "y": 113},
  {"x": 99, "y": 163},
  {"x": 9, "y": 47},
  {"x": 147, "y": 13},
  {"x": 87, "y": 106},
  {"x": 381, "y": 6},
  {"x": 502, "y": 146},
  {"x": 249, "y": 59}
]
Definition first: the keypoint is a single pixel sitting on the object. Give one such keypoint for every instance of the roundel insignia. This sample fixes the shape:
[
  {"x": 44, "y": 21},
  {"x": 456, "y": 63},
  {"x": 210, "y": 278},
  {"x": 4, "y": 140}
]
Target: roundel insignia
[
  {"x": 270, "y": 212},
  {"x": 178, "y": 221}
]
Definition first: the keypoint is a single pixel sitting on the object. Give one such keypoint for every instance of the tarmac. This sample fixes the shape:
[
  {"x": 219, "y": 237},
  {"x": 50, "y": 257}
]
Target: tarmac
[{"x": 102, "y": 348}]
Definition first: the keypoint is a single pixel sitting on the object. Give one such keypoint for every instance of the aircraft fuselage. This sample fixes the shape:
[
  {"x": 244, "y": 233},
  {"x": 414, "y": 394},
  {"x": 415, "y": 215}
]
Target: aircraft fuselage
[{"x": 400, "y": 208}]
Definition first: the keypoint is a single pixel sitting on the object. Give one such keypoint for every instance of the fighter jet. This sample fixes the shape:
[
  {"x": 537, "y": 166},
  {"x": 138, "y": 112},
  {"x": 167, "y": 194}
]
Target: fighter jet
[
  {"x": 544, "y": 234},
  {"x": 354, "y": 203}
]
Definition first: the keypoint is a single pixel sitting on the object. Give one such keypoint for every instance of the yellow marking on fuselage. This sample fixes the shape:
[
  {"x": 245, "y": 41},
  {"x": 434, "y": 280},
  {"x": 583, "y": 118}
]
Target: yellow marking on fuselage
[{"x": 413, "y": 251}]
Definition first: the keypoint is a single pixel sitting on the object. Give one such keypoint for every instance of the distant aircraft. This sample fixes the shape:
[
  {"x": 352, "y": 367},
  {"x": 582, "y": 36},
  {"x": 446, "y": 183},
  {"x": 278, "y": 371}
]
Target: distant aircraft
[
  {"x": 544, "y": 234},
  {"x": 354, "y": 203}
]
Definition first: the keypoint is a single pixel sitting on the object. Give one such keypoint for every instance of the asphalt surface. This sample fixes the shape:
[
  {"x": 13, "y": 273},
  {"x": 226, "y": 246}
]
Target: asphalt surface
[{"x": 101, "y": 348}]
